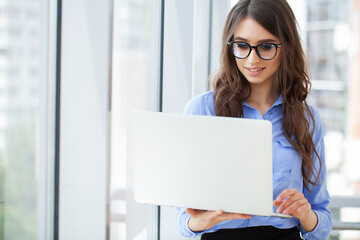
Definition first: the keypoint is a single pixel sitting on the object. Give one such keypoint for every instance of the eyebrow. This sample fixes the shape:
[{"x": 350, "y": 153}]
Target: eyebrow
[{"x": 260, "y": 41}]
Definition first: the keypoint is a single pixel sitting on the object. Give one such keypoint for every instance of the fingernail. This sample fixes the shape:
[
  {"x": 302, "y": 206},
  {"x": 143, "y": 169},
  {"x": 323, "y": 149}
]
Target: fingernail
[{"x": 285, "y": 212}]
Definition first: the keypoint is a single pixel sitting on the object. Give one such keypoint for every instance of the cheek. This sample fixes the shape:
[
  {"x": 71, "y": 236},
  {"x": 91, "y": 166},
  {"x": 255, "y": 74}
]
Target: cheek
[
  {"x": 239, "y": 64},
  {"x": 276, "y": 64},
  {"x": 278, "y": 60}
]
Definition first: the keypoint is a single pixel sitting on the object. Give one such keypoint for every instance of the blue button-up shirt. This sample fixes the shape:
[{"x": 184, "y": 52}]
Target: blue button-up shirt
[{"x": 286, "y": 172}]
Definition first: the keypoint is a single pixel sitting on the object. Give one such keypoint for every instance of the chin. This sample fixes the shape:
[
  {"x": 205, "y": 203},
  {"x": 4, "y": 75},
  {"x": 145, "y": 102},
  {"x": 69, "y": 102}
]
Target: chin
[{"x": 255, "y": 81}]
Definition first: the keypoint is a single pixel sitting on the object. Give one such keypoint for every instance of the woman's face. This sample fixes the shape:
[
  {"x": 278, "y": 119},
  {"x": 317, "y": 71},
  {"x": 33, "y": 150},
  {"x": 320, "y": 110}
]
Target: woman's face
[{"x": 256, "y": 70}]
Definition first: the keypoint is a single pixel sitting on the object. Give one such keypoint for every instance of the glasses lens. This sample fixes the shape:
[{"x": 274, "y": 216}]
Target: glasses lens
[
  {"x": 241, "y": 50},
  {"x": 266, "y": 50}
]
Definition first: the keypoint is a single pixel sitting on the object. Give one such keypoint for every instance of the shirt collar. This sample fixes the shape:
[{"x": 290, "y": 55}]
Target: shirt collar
[{"x": 279, "y": 101}]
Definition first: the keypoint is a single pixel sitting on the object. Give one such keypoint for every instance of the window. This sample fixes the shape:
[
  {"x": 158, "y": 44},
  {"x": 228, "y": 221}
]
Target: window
[
  {"x": 333, "y": 51},
  {"x": 26, "y": 124},
  {"x": 135, "y": 86},
  {"x": 326, "y": 27}
]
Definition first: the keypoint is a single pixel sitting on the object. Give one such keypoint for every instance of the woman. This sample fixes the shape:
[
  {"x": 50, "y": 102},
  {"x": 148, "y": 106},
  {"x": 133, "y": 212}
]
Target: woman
[{"x": 263, "y": 75}]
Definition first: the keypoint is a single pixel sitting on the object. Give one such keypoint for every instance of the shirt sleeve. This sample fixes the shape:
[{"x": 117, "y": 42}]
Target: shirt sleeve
[
  {"x": 183, "y": 219},
  {"x": 319, "y": 197},
  {"x": 193, "y": 107}
]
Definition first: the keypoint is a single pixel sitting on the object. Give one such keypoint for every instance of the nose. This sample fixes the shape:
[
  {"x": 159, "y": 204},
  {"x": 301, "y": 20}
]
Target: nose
[{"x": 253, "y": 57}]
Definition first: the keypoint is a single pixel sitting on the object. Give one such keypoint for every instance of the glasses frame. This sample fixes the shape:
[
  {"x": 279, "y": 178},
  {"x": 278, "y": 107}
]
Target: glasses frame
[{"x": 254, "y": 47}]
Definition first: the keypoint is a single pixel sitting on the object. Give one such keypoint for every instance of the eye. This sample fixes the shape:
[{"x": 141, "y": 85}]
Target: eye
[
  {"x": 242, "y": 45},
  {"x": 266, "y": 46}
]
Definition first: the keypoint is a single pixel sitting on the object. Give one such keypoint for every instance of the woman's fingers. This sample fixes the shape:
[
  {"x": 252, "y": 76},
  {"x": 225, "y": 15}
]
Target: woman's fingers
[
  {"x": 229, "y": 216},
  {"x": 194, "y": 212},
  {"x": 201, "y": 220},
  {"x": 214, "y": 215},
  {"x": 286, "y": 193},
  {"x": 292, "y": 202},
  {"x": 290, "y": 196},
  {"x": 217, "y": 214},
  {"x": 277, "y": 203},
  {"x": 294, "y": 206},
  {"x": 306, "y": 207}
]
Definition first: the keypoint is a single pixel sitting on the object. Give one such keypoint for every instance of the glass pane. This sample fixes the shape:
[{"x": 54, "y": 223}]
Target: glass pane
[
  {"x": 332, "y": 108},
  {"x": 24, "y": 78},
  {"x": 321, "y": 55},
  {"x": 334, "y": 60},
  {"x": 134, "y": 86},
  {"x": 320, "y": 10}
]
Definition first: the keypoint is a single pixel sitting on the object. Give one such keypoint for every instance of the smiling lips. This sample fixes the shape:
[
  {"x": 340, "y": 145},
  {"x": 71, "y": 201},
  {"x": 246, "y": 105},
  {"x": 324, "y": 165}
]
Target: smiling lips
[{"x": 254, "y": 71}]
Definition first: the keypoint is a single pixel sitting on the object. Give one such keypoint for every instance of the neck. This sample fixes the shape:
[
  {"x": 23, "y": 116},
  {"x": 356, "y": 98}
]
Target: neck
[{"x": 263, "y": 97}]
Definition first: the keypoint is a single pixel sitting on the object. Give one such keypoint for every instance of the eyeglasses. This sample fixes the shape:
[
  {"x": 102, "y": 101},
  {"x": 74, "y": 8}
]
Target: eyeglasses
[{"x": 266, "y": 51}]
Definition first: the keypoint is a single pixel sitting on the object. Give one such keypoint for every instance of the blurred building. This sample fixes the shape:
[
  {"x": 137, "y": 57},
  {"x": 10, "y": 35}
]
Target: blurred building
[
  {"x": 328, "y": 29},
  {"x": 19, "y": 103},
  {"x": 19, "y": 61}
]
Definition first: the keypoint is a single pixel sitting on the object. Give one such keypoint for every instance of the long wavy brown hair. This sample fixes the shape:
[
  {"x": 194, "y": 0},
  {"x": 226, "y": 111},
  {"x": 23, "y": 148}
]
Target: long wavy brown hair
[{"x": 231, "y": 88}]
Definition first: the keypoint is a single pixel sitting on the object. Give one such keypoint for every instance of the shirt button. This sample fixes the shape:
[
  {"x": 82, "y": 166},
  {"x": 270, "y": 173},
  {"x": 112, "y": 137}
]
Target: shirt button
[{"x": 269, "y": 112}]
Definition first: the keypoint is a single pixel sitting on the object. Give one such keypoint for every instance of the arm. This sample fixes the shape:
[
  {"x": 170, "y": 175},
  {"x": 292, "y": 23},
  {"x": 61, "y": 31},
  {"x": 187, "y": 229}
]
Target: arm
[
  {"x": 292, "y": 202},
  {"x": 319, "y": 197},
  {"x": 310, "y": 207}
]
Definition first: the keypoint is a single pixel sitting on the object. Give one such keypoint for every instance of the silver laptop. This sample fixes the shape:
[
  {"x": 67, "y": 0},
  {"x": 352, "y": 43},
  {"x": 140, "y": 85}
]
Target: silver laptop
[{"x": 202, "y": 162}]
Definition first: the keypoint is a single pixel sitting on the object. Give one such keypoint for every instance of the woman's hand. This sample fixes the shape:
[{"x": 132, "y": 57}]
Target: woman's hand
[
  {"x": 201, "y": 220},
  {"x": 292, "y": 202}
]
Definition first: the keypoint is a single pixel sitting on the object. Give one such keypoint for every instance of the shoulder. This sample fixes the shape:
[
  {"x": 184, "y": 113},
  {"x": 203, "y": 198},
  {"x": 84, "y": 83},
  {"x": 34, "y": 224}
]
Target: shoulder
[
  {"x": 316, "y": 115},
  {"x": 202, "y": 104},
  {"x": 314, "y": 112}
]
